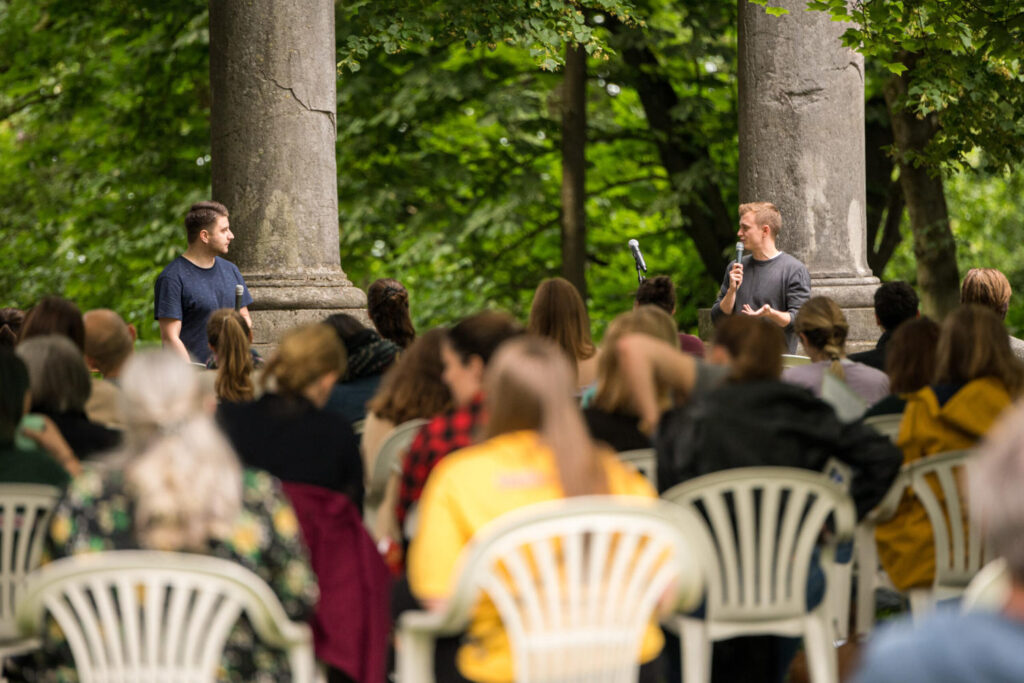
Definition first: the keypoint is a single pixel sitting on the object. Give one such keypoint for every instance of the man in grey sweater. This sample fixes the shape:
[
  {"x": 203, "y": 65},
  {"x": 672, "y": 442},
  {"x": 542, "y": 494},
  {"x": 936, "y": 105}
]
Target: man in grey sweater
[{"x": 767, "y": 282}]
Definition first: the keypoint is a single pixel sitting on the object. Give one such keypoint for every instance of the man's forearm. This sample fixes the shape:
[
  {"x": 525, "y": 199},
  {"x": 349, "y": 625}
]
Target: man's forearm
[
  {"x": 728, "y": 302},
  {"x": 780, "y": 318},
  {"x": 175, "y": 344}
]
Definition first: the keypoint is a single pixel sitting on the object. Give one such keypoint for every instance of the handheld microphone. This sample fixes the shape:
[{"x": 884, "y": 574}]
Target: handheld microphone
[
  {"x": 739, "y": 253},
  {"x": 634, "y": 247},
  {"x": 239, "y": 290}
]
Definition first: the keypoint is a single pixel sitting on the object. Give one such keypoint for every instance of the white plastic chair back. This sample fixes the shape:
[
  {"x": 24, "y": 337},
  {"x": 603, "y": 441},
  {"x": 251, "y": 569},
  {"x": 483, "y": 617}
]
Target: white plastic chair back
[
  {"x": 886, "y": 425},
  {"x": 989, "y": 589},
  {"x": 25, "y": 511},
  {"x": 157, "y": 616},
  {"x": 848, "y": 405},
  {"x": 958, "y": 548},
  {"x": 763, "y": 524},
  {"x": 575, "y": 583},
  {"x": 645, "y": 460},
  {"x": 790, "y": 360},
  {"x": 869, "y": 573},
  {"x": 389, "y": 460}
]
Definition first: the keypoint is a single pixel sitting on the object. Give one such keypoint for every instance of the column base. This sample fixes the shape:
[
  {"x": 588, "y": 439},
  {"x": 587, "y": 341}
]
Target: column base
[{"x": 281, "y": 302}]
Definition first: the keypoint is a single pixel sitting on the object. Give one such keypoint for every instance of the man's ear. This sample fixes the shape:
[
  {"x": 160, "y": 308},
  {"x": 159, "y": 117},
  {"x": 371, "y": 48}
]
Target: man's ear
[
  {"x": 204, "y": 236},
  {"x": 91, "y": 364},
  {"x": 133, "y": 333}
]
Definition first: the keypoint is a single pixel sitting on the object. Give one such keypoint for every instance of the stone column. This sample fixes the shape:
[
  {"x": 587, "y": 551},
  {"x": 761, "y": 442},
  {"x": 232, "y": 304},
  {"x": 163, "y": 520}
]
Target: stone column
[
  {"x": 801, "y": 129},
  {"x": 273, "y": 130}
]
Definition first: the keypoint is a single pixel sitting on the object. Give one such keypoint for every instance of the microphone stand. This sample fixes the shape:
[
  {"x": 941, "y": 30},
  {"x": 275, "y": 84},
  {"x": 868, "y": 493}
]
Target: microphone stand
[{"x": 640, "y": 277}]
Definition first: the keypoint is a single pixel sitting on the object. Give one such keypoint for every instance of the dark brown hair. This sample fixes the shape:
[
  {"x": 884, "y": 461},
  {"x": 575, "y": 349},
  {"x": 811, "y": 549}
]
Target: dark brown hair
[
  {"x": 11, "y": 320},
  {"x": 228, "y": 334},
  {"x": 658, "y": 291},
  {"x": 910, "y": 355},
  {"x": 558, "y": 313},
  {"x": 986, "y": 287},
  {"x": 54, "y": 315},
  {"x": 202, "y": 216},
  {"x": 756, "y": 346},
  {"x": 387, "y": 303},
  {"x": 481, "y": 334},
  {"x": 413, "y": 386},
  {"x": 974, "y": 344}
]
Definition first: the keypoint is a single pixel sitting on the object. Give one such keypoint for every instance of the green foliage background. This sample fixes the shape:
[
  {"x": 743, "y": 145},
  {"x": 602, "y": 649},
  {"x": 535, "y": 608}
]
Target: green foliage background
[{"x": 448, "y": 154}]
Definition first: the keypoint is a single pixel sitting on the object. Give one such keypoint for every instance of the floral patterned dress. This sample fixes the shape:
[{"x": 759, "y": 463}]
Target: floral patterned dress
[{"x": 96, "y": 514}]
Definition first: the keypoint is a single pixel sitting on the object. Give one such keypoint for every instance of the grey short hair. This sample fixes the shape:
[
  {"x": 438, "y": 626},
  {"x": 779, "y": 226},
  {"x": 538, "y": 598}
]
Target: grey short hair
[
  {"x": 58, "y": 377},
  {"x": 994, "y": 479}
]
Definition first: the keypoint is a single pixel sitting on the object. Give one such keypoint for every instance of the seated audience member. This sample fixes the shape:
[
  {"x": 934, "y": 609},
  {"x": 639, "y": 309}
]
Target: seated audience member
[
  {"x": 176, "y": 485},
  {"x": 956, "y": 646},
  {"x": 976, "y": 378},
  {"x": 229, "y": 337},
  {"x": 612, "y": 416},
  {"x": 465, "y": 353},
  {"x": 751, "y": 420},
  {"x": 988, "y": 287},
  {"x": 822, "y": 328},
  {"x": 368, "y": 357},
  {"x": 910, "y": 363},
  {"x": 558, "y": 313},
  {"x": 387, "y": 304},
  {"x": 54, "y": 315},
  {"x": 536, "y": 449},
  {"x": 895, "y": 302},
  {"x": 413, "y": 388},
  {"x": 11, "y": 320},
  {"x": 659, "y": 291},
  {"x": 109, "y": 343},
  {"x": 286, "y": 431},
  {"x": 48, "y": 459},
  {"x": 60, "y": 389}
]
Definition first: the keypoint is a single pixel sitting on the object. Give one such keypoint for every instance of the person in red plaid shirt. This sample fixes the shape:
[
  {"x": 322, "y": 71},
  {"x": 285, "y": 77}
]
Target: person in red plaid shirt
[{"x": 465, "y": 353}]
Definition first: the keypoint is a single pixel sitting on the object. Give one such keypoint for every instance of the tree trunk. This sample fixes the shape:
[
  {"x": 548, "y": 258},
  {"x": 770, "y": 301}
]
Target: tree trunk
[
  {"x": 574, "y": 146},
  {"x": 885, "y": 203},
  {"x": 938, "y": 279}
]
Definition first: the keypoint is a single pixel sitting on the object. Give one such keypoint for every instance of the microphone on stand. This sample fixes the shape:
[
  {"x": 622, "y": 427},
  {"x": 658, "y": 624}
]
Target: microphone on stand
[
  {"x": 239, "y": 290},
  {"x": 638, "y": 258}
]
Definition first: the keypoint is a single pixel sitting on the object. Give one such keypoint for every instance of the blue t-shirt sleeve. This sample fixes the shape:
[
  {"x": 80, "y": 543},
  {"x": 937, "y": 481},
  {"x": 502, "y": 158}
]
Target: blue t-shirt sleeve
[{"x": 167, "y": 297}]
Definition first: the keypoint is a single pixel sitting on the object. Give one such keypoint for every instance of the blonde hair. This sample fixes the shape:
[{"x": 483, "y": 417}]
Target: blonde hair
[
  {"x": 987, "y": 287},
  {"x": 765, "y": 213},
  {"x": 304, "y": 355},
  {"x": 179, "y": 469},
  {"x": 228, "y": 334},
  {"x": 558, "y": 313},
  {"x": 824, "y": 326},
  {"x": 529, "y": 384},
  {"x": 613, "y": 394}
]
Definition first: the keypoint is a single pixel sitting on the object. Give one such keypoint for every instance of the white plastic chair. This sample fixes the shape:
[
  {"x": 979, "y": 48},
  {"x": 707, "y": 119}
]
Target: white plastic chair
[
  {"x": 388, "y": 462},
  {"x": 25, "y": 511},
  {"x": 886, "y": 425},
  {"x": 763, "y": 524},
  {"x": 791, "y": 360},
  {"x": 575, "y": 583},
  {"x": 140, "y": 615},
  {"x": 645, "y": 460},
  {"x": 958, "y": 551},
  {"x": 865, "y": 548}
]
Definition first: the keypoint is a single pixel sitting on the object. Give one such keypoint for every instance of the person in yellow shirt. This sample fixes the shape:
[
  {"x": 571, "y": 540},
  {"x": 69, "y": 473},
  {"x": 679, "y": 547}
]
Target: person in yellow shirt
[
  {"x": 977, "y": 377},
  {"x": 537, "y": 450}
]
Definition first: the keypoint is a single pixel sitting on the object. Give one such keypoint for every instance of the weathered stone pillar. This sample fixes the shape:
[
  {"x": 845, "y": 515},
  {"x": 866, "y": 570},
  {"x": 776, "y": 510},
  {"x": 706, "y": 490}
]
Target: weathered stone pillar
[
  {"x": 801, "y": 128},
  {"x": 273, "y": 130}
]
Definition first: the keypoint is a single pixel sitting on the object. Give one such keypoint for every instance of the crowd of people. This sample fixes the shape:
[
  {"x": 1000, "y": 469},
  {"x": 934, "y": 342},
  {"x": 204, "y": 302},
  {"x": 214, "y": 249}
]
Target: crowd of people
[{"x": 242, "y": 457}]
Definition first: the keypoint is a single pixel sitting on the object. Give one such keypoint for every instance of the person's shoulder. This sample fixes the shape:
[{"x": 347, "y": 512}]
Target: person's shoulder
[
  {"x": 174, "y": 268},
  {"x": 225, "y": 266}
]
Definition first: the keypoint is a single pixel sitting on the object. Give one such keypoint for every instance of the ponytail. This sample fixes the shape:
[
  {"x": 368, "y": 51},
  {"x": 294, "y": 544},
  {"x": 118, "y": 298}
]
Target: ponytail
[
  {"x": 229, "y": 336},
  {"x": 387, "y": 304}
]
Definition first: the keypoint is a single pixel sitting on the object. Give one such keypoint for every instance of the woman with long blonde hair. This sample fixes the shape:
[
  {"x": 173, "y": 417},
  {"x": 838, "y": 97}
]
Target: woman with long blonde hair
[
  {"x": 176, "y": 485},
  {"x": 537, "y": 449}
]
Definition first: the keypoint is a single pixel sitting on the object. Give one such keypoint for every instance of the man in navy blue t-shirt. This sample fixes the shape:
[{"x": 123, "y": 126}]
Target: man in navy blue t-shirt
[{"x": 198, "y": 282}]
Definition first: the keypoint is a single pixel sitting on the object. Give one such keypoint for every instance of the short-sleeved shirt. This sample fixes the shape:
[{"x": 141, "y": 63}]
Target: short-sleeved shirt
[
  {"x": 188, "y": 293},
  {"x": 782, "y": 282}
]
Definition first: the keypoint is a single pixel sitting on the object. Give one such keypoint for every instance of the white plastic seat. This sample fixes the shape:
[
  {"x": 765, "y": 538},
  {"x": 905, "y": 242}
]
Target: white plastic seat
[
  {"x": 791, "y": 360},
  {"x": 575, "y": 582},
  {"x": 886, "y": 425},
  {"x": 866, "y": 555},
  {"x": 388, "y": 462},
  {"x": 645, "y": 460},
  {"x": 958, "y": 549},
  {"x": 25, "y": 511},
  {"x": 140, "y": 615},
  {"x": 989, "y": 589},
  {"x": 763, "y": 524}
]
